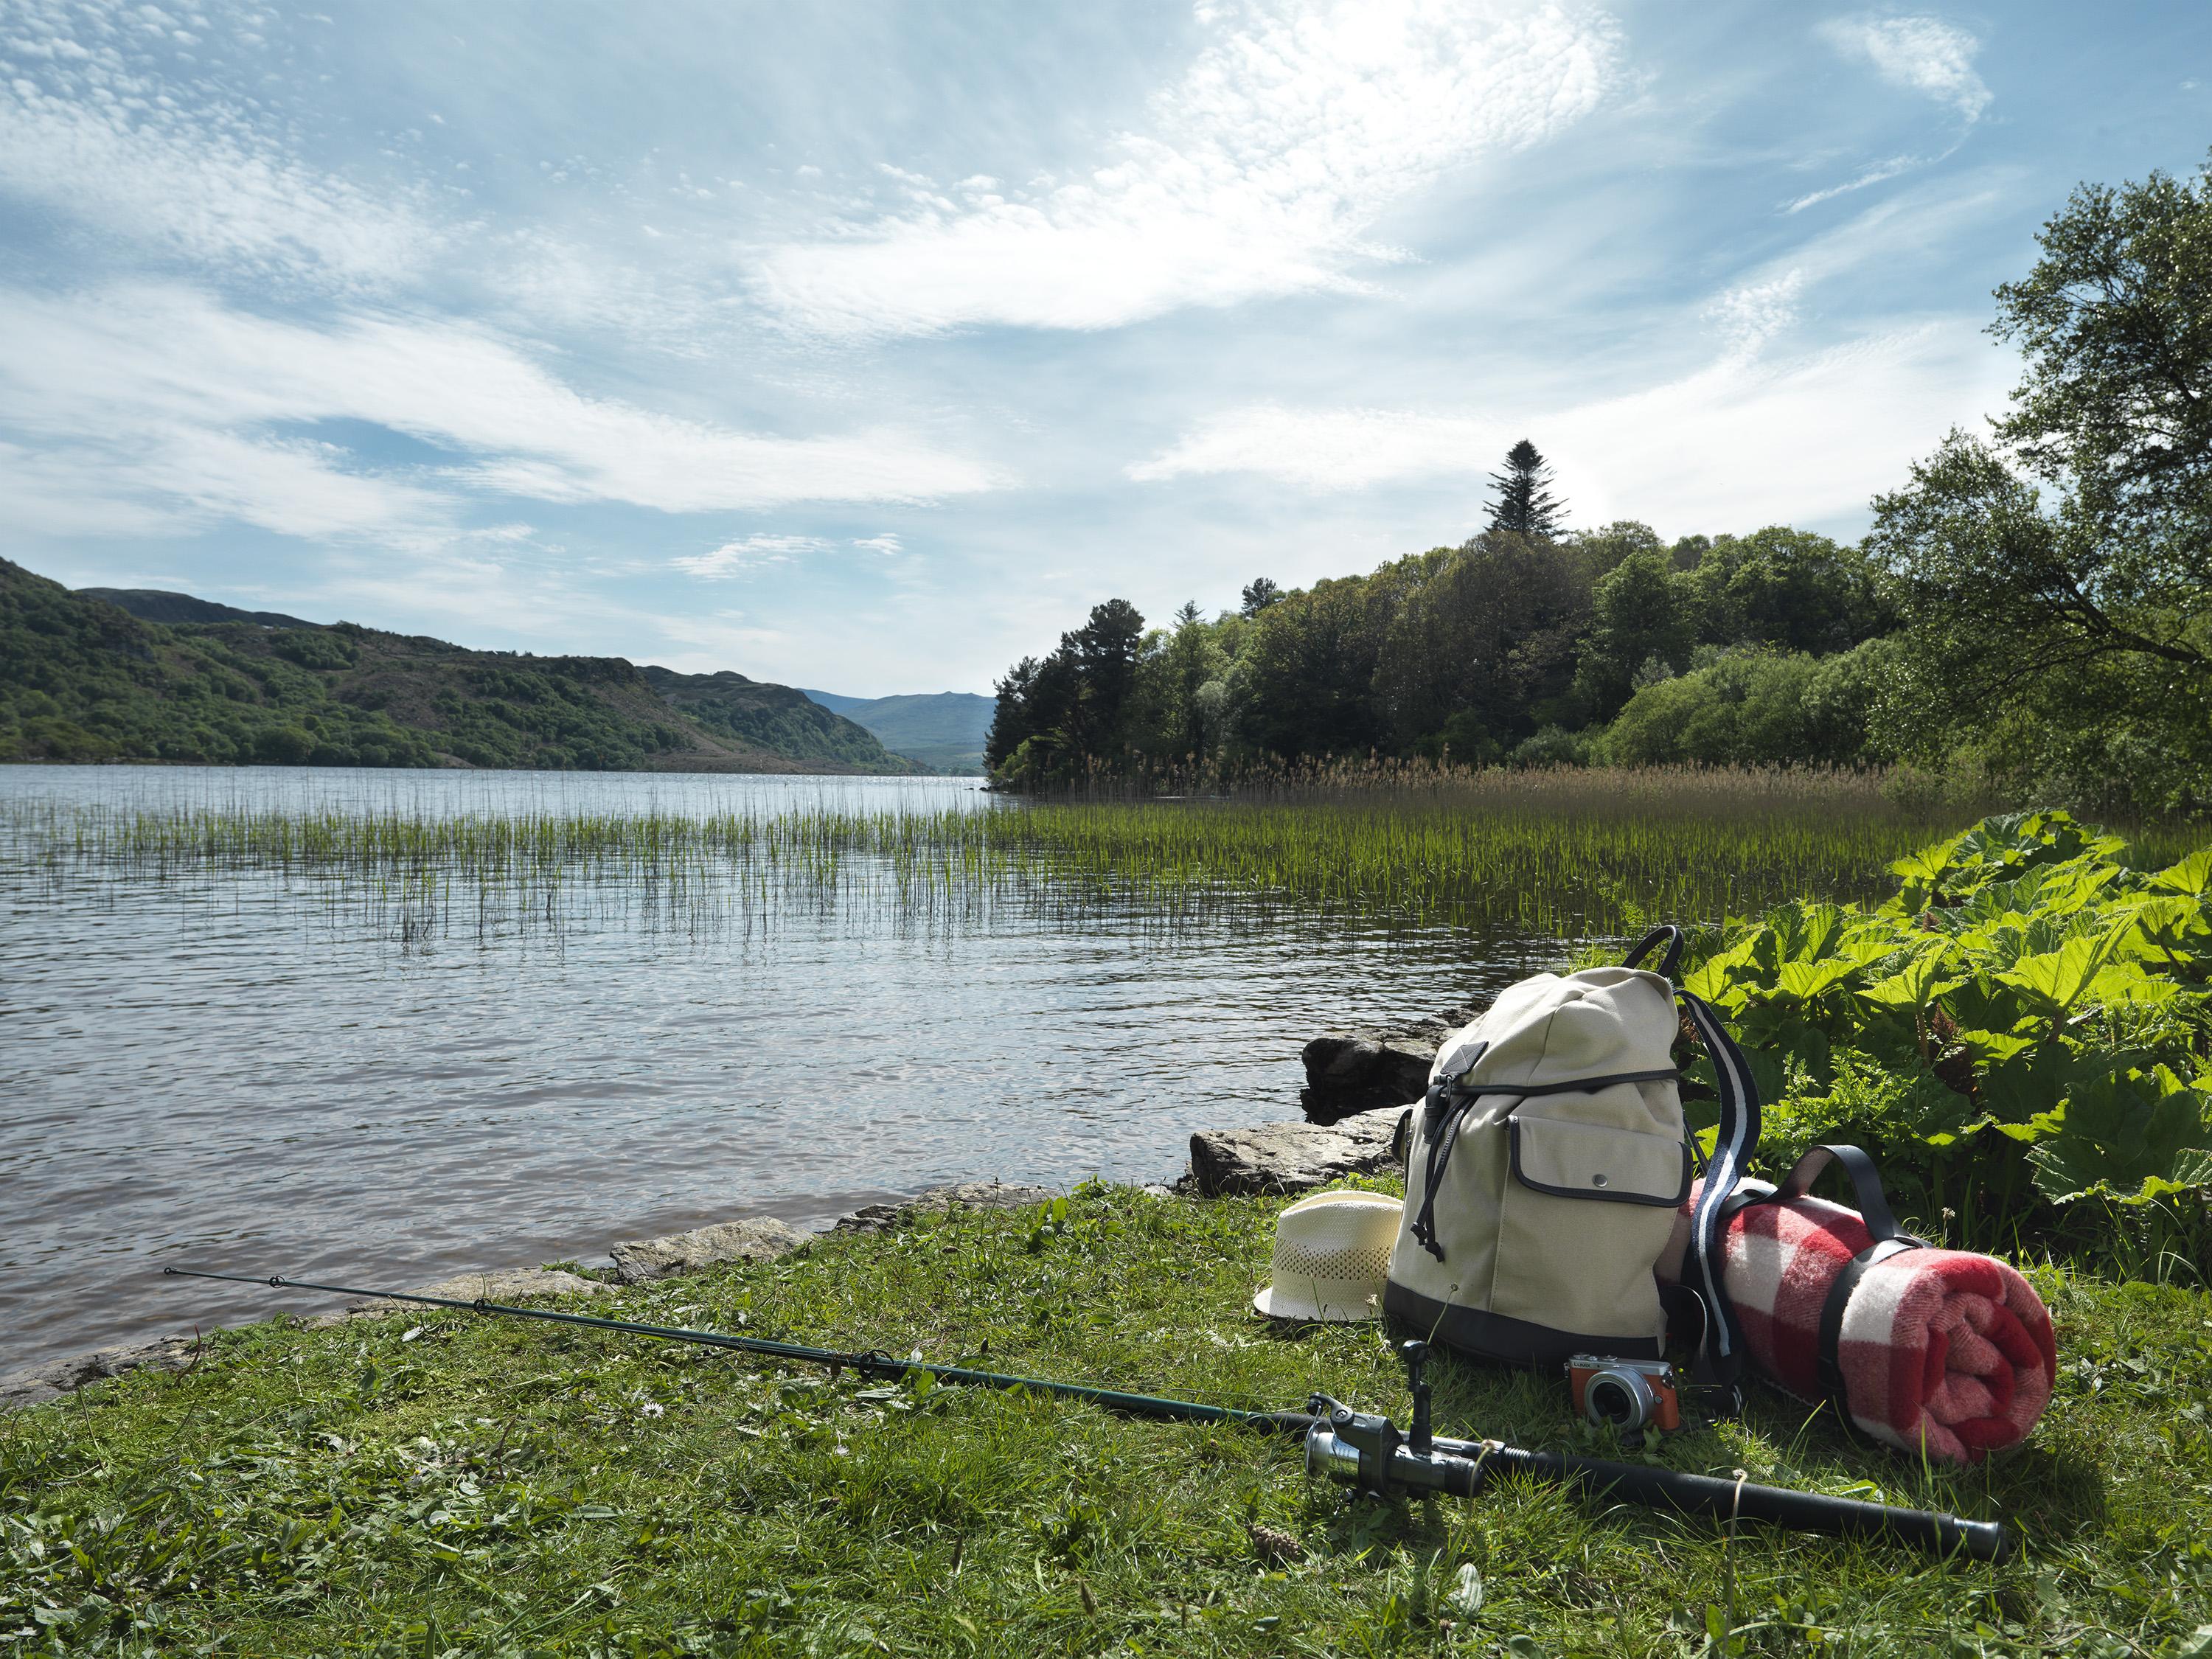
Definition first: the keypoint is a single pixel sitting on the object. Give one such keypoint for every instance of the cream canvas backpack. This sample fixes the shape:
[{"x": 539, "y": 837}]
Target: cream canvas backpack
[{"x": 1544, "y": 1169}]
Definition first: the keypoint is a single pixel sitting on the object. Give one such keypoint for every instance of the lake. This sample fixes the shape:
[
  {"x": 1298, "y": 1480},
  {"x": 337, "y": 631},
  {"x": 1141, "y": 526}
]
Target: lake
[{"x": 271, "y": 1071}]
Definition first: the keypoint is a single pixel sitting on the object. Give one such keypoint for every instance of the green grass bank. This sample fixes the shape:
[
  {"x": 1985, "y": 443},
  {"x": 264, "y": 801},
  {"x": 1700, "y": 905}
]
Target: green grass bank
[{"x": 413, "y": 1485}]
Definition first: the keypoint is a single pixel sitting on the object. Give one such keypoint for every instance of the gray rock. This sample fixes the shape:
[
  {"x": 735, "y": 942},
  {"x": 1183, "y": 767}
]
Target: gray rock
[
  {"x": 500, "y": 1284},
  {"x": 1291, "y": 1158},
  {"x": 1348, "y": 1074},
  {"x": 175, "y": 1353},
  {"x": 973, "y": 1195},
  {"x": 758, "y": 1238},
  {"x": 60, "y": 1377},
  {"x": 25, "y": 1389}
]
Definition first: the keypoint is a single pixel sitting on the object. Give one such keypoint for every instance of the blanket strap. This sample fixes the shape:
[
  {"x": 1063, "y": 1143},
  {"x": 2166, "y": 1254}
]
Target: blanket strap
[
  {"x": 1719, "y": 1367},
  {"x": 1888, "y": 1239}
]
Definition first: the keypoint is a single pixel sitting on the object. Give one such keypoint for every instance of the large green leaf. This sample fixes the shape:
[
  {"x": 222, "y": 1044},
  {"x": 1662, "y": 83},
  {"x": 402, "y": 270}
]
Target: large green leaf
[
  {"x": 1806, "y": 933},
  {"x": 2135, "y": 1135},
  {"x": 1927, "y": 976},
  {"x": 2054, "y": 982},
  {"x": 1714, "y": 978},
  {"x": 2192, "y": 876},
  {"x": 1805, "y": 981},
  {"x": 1984, "y": 1003},
  {"x": 2172, "y": 933},
  {"x": 2125, "y": 982},
  {"x": 2028, "y": 1086}
]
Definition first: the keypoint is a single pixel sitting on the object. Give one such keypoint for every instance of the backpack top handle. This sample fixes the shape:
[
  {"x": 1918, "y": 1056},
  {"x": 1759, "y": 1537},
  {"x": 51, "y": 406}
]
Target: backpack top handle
[{"x": 1666, "y": 934}]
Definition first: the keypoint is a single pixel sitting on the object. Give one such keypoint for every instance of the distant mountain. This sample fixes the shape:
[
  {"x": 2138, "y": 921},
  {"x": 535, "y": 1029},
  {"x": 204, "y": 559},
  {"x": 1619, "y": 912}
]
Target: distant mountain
[
  {"x": 155, "y": 605},
  {"x": 83, "y": 679},
  {"x": 776, "y": 717},
  {"x": 942, "y": 729}
]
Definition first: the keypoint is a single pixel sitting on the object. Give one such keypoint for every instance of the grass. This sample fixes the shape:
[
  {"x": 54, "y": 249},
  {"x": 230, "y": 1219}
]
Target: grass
[
  {"x": 452, "y": 1485},
  {"x": 1564, "y": 855}
]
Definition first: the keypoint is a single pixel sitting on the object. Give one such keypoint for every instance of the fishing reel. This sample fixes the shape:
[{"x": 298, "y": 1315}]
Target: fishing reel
[{"x": 1367, "y": 1452}]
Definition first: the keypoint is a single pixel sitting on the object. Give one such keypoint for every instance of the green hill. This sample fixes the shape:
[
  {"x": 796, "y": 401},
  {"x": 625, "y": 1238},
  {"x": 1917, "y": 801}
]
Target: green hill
[
  {"x": 775, "y": 717},
  {"x": 83, "y": 679},
  {"x": 157, "y": 604},
  {"x": 942, "y": 729}
]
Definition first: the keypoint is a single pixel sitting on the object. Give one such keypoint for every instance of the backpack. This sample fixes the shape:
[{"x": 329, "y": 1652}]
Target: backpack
[{"x": 1547, "y": 1163}]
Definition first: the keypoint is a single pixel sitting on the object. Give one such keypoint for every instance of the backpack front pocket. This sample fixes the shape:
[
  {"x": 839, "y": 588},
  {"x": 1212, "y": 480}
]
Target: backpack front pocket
[
  {"x": 1584, "y": 1212},
  {"x": 1565, "y": 1160}
]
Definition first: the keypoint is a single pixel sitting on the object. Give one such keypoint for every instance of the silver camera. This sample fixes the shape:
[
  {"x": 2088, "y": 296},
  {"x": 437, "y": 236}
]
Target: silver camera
[{"x": 1627, "y": 1394}]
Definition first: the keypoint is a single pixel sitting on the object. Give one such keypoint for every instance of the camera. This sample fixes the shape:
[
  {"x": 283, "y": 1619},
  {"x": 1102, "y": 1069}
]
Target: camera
[{"x": 1630, "y": 1394}]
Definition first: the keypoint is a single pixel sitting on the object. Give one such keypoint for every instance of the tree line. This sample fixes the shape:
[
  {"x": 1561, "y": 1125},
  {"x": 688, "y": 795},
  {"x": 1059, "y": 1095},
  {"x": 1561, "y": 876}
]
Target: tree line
[{"x": 2033, "y": 607}]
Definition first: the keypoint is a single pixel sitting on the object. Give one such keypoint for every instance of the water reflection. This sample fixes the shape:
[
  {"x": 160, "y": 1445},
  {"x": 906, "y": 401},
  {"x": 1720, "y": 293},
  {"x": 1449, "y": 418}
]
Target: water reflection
[{"x": 233, "y": 1073}]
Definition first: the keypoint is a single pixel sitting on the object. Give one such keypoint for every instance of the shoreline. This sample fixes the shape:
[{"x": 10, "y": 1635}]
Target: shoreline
[{"x": 1278, "y": 1158}]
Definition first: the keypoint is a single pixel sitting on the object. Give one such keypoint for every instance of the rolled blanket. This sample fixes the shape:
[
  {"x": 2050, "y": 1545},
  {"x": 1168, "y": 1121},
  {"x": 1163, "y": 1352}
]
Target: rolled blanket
[{"x": 1937, "y": 1350}]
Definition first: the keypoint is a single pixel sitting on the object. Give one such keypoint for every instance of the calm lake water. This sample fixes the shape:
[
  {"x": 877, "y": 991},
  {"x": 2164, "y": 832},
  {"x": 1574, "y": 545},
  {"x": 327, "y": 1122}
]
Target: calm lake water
[{"x": 247, "y": 1073}]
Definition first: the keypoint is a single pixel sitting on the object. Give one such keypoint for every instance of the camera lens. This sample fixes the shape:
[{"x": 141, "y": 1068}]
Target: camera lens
[
  {"x": 1620, "y": 1398},
  {"x": 1609, "y": 1402}
]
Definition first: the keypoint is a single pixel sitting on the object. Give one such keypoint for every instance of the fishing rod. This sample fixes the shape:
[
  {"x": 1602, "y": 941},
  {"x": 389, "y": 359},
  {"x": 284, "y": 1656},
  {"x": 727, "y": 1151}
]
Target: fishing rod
[
  {"x": 872, "y": 1363},
  {"x": 1364, "y": 1450}
]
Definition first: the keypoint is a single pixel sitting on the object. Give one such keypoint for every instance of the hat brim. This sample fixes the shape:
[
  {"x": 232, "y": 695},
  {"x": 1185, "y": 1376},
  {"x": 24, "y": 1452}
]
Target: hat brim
[{"x": 1355, "y": 1307}]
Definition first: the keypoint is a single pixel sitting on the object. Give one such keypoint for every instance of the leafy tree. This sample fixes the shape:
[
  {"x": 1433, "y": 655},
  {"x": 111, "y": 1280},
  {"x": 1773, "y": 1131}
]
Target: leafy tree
[
  {"x": 1606, "y": 547},
  {"x": 1305, "y": 679},
  {"x": 1176, "y": 671},
  {"x": 1790, "y": 588},
  {"x": 1104, "y": 650},
  {"x": 1479, "y": 637},
  {"x": 2057, "y": 582},
  {"x": 1753, "y": 707},
  {"x": 1056, "y": 715},
  {"x": 1525, "y": 504},
  {"x": 1642, "y": 609},
  {"x": 1259, "y": 594}
]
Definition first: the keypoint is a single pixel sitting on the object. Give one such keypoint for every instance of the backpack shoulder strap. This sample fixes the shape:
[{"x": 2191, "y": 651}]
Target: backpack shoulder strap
[{"x": 1717, "y": 1370}]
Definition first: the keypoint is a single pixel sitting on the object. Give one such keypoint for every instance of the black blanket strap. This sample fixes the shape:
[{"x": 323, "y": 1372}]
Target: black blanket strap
[{"x": 1832, "y": 1381}]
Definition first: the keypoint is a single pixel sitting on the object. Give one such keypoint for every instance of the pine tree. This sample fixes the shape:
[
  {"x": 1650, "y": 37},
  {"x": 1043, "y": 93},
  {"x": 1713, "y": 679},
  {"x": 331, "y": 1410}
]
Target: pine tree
[
  {"x": 1525, "y": 502},
  {"x": 1259, "y": 594}
]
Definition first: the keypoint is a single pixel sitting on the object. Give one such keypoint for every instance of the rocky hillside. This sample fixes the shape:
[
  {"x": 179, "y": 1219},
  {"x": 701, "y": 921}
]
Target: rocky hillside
[{"x": 83, "y": 679}]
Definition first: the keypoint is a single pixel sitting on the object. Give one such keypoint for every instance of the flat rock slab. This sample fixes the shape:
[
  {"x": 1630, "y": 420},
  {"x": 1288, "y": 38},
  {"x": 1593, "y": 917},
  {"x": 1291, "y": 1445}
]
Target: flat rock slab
[
  {"x": 500, "y": 1284},
  {"x": 757, "y": 1238},
  {"x": 1292, "y": 1157},
  {"x": 60, "y": 1377},
  {"x": 973, "y": 1195},
  {"x": 174, "y": 1354}
]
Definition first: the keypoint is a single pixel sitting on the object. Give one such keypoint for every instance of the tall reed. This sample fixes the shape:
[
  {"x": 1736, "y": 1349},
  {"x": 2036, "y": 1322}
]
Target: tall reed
[{"x": 1564, "y": 855}]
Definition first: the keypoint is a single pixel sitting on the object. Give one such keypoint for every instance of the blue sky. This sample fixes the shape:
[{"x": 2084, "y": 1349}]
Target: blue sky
[{"x": 866, "y": 346}]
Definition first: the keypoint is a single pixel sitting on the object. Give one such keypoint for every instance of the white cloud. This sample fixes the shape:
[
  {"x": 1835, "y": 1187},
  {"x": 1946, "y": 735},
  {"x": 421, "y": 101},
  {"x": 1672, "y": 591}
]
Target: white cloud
[
  {"x": 163, "y": 392},
  {"x": 1263, "y": 169},
  {"x": 1881, "y": 172},
  {"x": 749, "y": 553},
  {"x": 94, "y": 127},
  {"x": 1741, "y": 442},
  {"x": 887, "y": 544},
  {"x": 1921, "y": 54},
  {"x": 1752, "y": 313}
]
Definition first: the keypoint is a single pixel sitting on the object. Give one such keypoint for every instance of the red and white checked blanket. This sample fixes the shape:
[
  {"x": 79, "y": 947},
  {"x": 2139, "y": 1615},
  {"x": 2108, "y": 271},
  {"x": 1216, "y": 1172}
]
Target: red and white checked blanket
[{"x": 1940, "y": 1350}]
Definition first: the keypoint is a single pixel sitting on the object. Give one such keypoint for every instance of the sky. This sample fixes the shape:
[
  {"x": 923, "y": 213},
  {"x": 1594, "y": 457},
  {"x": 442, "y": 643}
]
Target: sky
[{"x": 866, "y": 346}]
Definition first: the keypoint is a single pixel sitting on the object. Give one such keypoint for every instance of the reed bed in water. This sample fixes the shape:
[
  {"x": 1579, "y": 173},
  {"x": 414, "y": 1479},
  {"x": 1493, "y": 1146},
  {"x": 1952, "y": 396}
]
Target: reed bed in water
[{"x": 1564, "y": 853}]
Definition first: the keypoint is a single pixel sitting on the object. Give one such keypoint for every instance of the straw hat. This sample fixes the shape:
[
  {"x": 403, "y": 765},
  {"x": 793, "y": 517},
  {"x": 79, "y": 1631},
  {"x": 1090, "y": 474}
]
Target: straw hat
[{"x": 1332, "y": 1256}]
